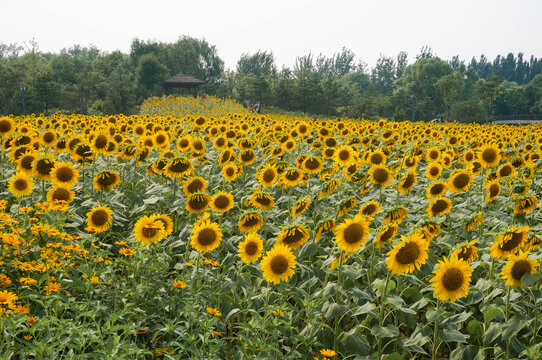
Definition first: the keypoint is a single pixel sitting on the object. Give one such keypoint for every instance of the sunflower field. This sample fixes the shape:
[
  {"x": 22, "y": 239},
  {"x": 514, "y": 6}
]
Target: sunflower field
[{"x": 199, "y": 230}]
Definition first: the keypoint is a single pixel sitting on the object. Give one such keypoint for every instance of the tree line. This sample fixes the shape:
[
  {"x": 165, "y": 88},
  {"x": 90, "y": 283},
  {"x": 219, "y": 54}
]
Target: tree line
[{"x": 89, "y": 81}]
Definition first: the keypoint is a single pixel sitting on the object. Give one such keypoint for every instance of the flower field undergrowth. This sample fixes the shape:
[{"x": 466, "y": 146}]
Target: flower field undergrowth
[{"x": 199, "y": 230}]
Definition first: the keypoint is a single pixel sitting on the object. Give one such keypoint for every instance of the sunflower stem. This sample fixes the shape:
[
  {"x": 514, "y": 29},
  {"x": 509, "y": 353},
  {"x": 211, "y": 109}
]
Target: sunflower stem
[
  {"x": 381, "y": 312},
  {"x": 506, "y": 316},
  {"x": 435, "y": 334}
]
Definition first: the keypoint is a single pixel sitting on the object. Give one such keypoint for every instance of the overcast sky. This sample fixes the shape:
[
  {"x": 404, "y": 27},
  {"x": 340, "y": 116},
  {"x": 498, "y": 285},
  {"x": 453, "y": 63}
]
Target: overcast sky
[{"x": 287, "y": 28}]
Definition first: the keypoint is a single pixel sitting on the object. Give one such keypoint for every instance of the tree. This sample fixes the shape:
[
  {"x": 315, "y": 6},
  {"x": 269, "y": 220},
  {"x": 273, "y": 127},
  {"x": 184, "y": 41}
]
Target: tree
[
  {"x": 149, "y": 71},
  {"x": 449, "y": 86},
  {"x": 260, "y": 63},
  {"x": 489, "y": 90},
  {"x": 383, "y": 74}
]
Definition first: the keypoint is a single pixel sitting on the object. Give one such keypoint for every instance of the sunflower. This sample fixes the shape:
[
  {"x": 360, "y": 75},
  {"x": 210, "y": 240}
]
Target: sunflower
[
  {"x": 293, "y": 236},
  {"x": 407, "y": 256},
  {"x": 247, "y": 157},
  {"x": 25, "y": 162},
  {"x": 489, "y": 156},
  {"x": 303, "y": 128},
  {"x": 466, "y": 252},
  {"x": 452, "y": 278},
  {"x": 267, "y": 175},
  {"x": 291, "y": 177},
  {"x": 469, "y": 156},
  {"x": 407, "y": 182},
  {"x": 386, "y": 235},
  {"x": 222, "y": 202},
  {"x": 194, "y": 185},
  {"x": 433, "y": 154},
  {"x": 460, "y": 180},
  {"x": 516, "y": 267},
  {"x": 197, "y": 145},
  {"x": 206, "y": 236},
  {"x": 64, "y": 173},
  {"x": 329, "y": 187},
  {"x": 312, "y": 165},
  {"x": 439, "y": 206},
  {"x": 99, "y": 142},
  {"x": 370, "y": 209},
  {"x": 250, "y": 250},
  {"x": 106, "y": 180},
  {"x": 262, "y": 201},
  {"x": 197, "y": 203},
  {"x": 474, "y": 222},
  {"x": 525, "y": 205},
  {"x": 352, "y": 234},
  {"x": 99, "y": 218},
  {"x": 396, "y": 215},
  {"x": 376, "y": 158},
  {"x": 533, "y": 243},
  {"x": 493, "y": 189},
  {"x": 278, "y": 264},
  {"x": 411, "y": 162},
  {"x": 380, "y": 175},
  {"x": 250, "y": 222},
  {"x": 436, "y": 189},
  {"x": 505, "y": 170},
  {"x": 179, "y": 167},
  {"x": 301, "y": 206},
  {"x": 20, "y": 184},
  {"x": 230, "y": 172},
  {"x": 42, "y": 168},
  {"x": 148, "y": 230},
  {"x": 60, "y": 194},
  {"x": 344, "y": 155},
  {"x": 7, "y": 126},
  {"x": 433, "y": 170},
  {"x": 166, "y": 222},
  {"x": 326, "y": 225},
  {"x": 509, "y": 242}
]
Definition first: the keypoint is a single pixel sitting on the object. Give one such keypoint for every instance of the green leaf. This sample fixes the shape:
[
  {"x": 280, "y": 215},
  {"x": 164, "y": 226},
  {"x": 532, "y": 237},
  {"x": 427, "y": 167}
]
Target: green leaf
[
  {"x": 393, "y": 356},
  {"x": 387, "y": 331},
  {"x": 528, "y": 279},
  {"x": 491, "y": 313},
  {"x": 433, "y": 314},
  {"x": 456, "y": 319},
  {"x": 470, "y": 352},
  {"x": 512, "y": 327},
  {"x": 329, "y": 290},
  {"x": 364, "y": 309},
  {"x": 416, "y": 343},
  {"x": 475, "y": 328},
  {"x": 492, "y": 333},
  {"x": 356, "y": 344},
  {"x": 417, "y": 306},
  {"x": 308, "y": 250},
  {"x": 451, "y": 335},
  {"x": 335, "y": 310},
  {"x": 232, "y": 312}
]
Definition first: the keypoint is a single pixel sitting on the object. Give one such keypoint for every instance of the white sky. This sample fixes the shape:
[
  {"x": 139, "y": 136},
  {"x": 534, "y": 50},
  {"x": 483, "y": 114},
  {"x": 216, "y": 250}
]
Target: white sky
[{"x": 287, "y": 28}]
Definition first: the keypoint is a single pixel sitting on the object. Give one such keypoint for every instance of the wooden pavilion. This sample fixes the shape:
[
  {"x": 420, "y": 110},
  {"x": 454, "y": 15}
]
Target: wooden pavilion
[{"x": 181, "y": 81}]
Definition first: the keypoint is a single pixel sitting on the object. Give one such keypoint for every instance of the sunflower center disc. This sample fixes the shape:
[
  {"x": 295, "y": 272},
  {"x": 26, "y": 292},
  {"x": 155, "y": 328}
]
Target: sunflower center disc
[
  {"x": 408, "y": 254},
  {"x": 489, "y": 155},
  {"x": 207, "y": 237},
  {"x": 513, "y": 243},
  {"x": 452, "y": 279},
  {"x": 279, "y": 264},
  {"x": 251, "y": 248},
  {"x": 20, "y": 184},
  {"x": 461, "y": 180},
  {"x": 353, "y": 233},
  {"x": 99, "y": 217},
  {"x": 64, "y": 174},
  {"x": 520, "y": 268}
]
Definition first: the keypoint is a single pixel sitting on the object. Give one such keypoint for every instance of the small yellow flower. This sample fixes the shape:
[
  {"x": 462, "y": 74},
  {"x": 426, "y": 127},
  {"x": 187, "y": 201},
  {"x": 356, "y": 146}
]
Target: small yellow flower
[
  {"x": 214, "y": 311},
  {"x": 179, "y": 284}
]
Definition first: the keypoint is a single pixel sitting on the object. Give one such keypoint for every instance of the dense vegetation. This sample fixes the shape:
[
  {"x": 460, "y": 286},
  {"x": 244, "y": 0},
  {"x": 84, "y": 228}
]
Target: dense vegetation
[
  {"x": 199, "y": 230},
  {"x": 89, "y": 81}
]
